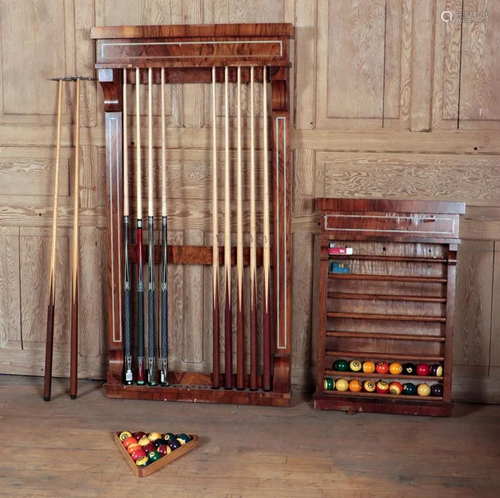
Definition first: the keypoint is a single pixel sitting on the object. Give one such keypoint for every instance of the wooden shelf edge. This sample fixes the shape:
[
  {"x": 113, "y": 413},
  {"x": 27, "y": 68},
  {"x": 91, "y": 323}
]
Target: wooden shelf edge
[
  {"x": 375, "y": 375},
  {"x": 395, "y": 318},
  {"x": 386, "y": 278},
  {"x": 386, "y": 297},
  {"x": 390, "y": 337},
  {"x": 383, "y": 356}
]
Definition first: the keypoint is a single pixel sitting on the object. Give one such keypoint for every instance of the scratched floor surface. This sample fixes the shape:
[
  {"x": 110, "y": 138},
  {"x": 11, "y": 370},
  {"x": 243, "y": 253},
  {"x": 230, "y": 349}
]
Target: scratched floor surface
[{"x": 65, "y": 448}]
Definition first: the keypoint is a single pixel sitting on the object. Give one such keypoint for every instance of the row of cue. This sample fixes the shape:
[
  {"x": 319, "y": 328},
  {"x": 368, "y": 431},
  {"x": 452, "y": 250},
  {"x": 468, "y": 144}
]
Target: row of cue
[
  {"x": 49, "y": 347},
  {"x": 140, "y": 371}
]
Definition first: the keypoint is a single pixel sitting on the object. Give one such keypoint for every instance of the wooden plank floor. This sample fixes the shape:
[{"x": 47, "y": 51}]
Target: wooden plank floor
[{"x": 65, "y": 448}]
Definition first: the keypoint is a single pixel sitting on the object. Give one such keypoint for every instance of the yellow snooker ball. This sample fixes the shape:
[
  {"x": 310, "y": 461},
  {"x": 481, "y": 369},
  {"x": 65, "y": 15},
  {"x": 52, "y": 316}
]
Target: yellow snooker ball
[
  {"x": 341, "y": 385},
  {"x": 368, "y": 367},
  {"x": 423, "y": 390}
]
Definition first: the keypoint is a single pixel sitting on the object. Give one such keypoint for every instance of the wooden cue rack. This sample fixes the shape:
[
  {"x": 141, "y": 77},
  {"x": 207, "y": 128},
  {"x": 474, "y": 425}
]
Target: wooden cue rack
[
  {"x": 388, "y": 298},
  {"x": 188, "y": 53}
]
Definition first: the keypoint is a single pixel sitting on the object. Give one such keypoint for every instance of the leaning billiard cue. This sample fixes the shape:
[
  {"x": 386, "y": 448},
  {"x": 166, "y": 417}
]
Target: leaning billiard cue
[
  {"x": 164, "y": 246},
  {"x": 266, "y": 326},
  {"x": 228, "y": 332},
  {"x": 240, "y": 321},
  {"x": 127, "y": 302},
  {"x": 253, "y": 247},
  {"x": 49, "y": 347},
  {"x": 215, "y": 243},
  {"x": 73, "y": 383},
  {"x": 140, "y": 272},
  {"x": 151, "y": 242}
]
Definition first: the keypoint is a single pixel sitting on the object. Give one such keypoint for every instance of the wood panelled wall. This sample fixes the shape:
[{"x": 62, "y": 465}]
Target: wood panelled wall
[{"x": 388, "y": 101}]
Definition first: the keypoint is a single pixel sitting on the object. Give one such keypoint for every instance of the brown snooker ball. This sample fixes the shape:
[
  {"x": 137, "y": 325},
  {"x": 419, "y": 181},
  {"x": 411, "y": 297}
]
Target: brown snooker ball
[
  {"x": 164, "y": 449},
  {"x": 149, "y": 447}
]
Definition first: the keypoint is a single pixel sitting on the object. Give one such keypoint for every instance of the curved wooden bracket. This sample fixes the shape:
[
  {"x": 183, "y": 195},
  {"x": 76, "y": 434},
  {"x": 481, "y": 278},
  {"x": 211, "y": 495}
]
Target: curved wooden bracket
[
  {"x": 279, "y": 96},
  {"x": 111, "y": 84}
]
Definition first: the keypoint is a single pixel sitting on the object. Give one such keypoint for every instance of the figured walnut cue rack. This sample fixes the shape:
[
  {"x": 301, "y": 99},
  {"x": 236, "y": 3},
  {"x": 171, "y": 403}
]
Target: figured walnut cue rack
[{"x": 223, "y": 54}]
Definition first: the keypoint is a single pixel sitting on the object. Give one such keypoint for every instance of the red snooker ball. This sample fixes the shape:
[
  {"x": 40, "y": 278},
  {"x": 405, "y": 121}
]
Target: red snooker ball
[
  {"x": 138, "y": 454},
  {"x": 382, "y": 367},
  {"x": 423, "y": 369}
]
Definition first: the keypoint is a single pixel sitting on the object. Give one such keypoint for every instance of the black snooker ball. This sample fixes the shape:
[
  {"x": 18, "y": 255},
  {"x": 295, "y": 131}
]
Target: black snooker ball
[
  {"x": 437, "y": 390},
  {"x": 174, "y": 444},
  {"x": 409, "y": 369}
]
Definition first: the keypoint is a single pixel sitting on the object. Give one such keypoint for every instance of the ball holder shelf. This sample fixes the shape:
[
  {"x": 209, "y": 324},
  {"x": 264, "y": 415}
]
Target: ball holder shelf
[{"x": 393, "y": 303}]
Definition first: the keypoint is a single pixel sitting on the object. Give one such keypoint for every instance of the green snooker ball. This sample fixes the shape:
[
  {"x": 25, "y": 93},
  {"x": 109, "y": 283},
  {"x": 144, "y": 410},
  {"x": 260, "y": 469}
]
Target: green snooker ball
[
  {"x": 409, "y": 389},
  {"x": 329, "y": 384},
  {"x": 341, "y": 366}
]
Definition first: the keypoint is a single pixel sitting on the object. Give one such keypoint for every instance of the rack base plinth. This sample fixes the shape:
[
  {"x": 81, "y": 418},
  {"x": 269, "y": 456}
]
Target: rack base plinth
[
  {"x": 352, "y": 404},
  {"x": 198, "y": 394}
]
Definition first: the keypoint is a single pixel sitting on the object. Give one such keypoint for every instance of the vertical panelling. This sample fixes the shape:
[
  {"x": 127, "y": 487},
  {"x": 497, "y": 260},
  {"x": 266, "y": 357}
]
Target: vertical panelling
[
  {"x": 494, "y": 360},
  {"x": 303, "y": 181}
]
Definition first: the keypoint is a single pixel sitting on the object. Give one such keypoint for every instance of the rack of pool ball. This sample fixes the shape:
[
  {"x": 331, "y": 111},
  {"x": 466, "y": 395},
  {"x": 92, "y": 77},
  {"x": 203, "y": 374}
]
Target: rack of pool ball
[
  {"x": 147, "y": 452},
  {"x": 385, "y": 371}
]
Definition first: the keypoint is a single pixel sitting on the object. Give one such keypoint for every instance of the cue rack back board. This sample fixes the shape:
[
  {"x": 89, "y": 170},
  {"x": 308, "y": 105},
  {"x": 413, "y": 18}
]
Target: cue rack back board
[
  {"x": 188, "y": 54},
  {"x": 390, "y": 300}
]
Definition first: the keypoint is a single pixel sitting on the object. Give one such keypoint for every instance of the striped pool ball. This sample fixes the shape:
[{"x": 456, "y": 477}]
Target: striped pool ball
[
  {"x": 168, "y": 435},
  {"x": 183, "y": 438},
  {"x": 174, "y": 444},
  {"x": 369, "y": 386},
  {"x": 129, "y": 441},
  {"x": 355, "y": 365},
  {"x": 124, "y": 435},
  {"x": 329, "y": 384},
  {"x": 395, "y": 388},
  {"x": 382, "y": 387},
  {"x": 436, "y": 370},
  {"x": 164, "y": 449},
  {"x": 142, "y": 462}
]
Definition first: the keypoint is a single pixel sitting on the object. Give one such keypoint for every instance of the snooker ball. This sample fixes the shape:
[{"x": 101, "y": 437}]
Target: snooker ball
[
  {"x": 149, "y": 447},
  {"x": 423, "y": 369},
  {"x": 355, "y": 386},
  {"x": 355, "y": 365},
  {"x": 168, "y": 436},
  {"x": 342, "y": 385},
  {"x": 164, "y": 449},
  {"x": 174, "y": 444},
  {"x": 124, "y": 435},
  {"x": 382, "y": 387},
  {"x": 396, "y": 368},
  {"x": 409, "y": 389},
  {"x": 437, "y": 390},
  {"x": 436, "y": 370},
  {"x": 341, "y": 366},
  {"x": 139, "y": 435},
  {"x": 395, "y": 388},
  {"x": 159, "y": 442},
  {"x": 368, "y": 367},
  {"x": 329, "y": 384},
  {"x": 423, "y": 389},
  {"x": 128, "y": 441},
  {"x": 369, "y": 386},
  {"x": 134, "y": 447},
  {"x": 154, "y": 436},
  {"x": 144, "y": 441},
  {"x": 142, "y": 461},
  {"x": 382, "y": 367},
  {"x": 409, "y": 369},
  {"x": 183, "y": 438},
  {"x": 153, "y": 456}
]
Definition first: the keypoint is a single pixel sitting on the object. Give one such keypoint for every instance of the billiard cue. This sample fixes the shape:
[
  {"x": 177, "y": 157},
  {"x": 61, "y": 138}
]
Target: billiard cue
[
  {"x": 240, "y": 320},
  {"x": 215, "y": 243},
  {"x": 127, "y": 302},
  {"x": 253, "y": 247},
  {"x": 266, "y": 326},
  {"x": 164, "y": 259},
  {"x": 140, "y": 272},
  {"x": 151, "y": 242},
  {"x": 228, "y": 336},
  {"x": 49, "y": 346},
  {"x": 73, "y": 376}
]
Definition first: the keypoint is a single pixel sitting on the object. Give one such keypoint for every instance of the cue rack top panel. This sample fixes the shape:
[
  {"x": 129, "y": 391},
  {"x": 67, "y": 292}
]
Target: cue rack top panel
[
  {"x": 386, "y": 295},
  {"x": 189, "y": 53}
]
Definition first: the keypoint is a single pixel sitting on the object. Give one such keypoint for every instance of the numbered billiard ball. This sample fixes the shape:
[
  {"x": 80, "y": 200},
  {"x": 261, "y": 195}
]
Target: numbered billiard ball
[
  {"x": 355, "y": 386},
  {"x": 138, "y": 454},
  {"x": 423, "y": 369},
  {"x": 409, "y": 369},
  {"x": 341, "y": 366},
  {"x": 174, "y": 444},
  {"x": 423, "y": 389},
  {"x": 437, "y": 390},
  {"x": 341, "y": 385},
  {"x": 124, "y": 435},
  {"x": 368, "y": 367},
  {"x": 395, "y": 388},
  {"x": 142, "y": 462},
  {"x": 164, "y": 449},
  {"x": 355, "y": 365},
  {"x": 168, "y": 436},
  {"x": 144, "y": 441},
  {"x": 153, "y": 456},
  {"x": 329, "y": 384},
  {"x": 436, "y": 370},
  {"x": 158, "y": 442},
  {"x": 409, "y": 389},
  {"x": 369, "y": 386},
  {"x": 183, "y": 438},
  {"x": 134, "y": 447},
  {"x": 154, "y": 436},
  {"x": 149, "y": 447},
  {"x": 382, "y": 387},
  {"x": 382, "y": 367},
  {"x": 139, "y": 435},
  {"x": 128, "y": 441},
  {"x": 396, "y": 368}
]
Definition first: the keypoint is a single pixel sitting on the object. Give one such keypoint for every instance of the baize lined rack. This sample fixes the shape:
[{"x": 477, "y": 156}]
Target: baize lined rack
[{"x": 394, "y": 303}]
